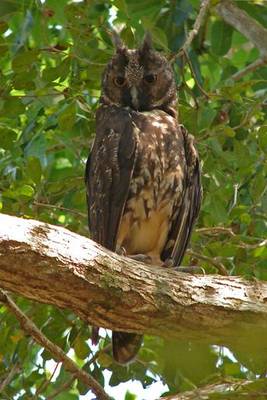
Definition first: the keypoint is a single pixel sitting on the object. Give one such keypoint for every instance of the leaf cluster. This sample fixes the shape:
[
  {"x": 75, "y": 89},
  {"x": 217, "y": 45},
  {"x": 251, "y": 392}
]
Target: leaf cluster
[{"x": 52, "y": 54}]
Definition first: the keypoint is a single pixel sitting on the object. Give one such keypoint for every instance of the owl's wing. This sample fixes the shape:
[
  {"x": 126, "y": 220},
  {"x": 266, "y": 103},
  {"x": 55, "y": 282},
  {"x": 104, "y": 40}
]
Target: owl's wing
[
  {"x": 108, "y": 173},
  {"x": 188, "y": 211}
]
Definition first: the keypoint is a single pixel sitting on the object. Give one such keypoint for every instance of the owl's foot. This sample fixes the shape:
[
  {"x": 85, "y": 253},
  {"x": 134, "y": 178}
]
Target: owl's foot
[
  {"x": 121, "y": 251},
  {"x": 141, "y": 257},
  {"x": 194, "y": 270},
  {"x": 137, "y": 257},
  {"x": 169, "y": 263}
]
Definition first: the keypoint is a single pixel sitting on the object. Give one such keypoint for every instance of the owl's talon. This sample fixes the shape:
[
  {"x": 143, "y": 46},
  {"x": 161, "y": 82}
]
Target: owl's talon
[
  {"x": 169, "y": 263},
  {"x": 193, "y": 270},
  {"x": 142, "y": 258},
  {"x": 121, "y": 251}
]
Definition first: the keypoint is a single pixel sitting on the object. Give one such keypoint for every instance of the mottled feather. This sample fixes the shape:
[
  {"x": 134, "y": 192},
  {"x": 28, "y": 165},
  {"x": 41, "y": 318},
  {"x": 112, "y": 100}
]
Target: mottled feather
[{"x": 143, "y": 174}]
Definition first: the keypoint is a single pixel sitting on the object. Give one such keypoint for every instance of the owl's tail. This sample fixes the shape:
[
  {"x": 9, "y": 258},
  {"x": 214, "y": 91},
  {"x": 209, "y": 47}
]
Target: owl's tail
[{"x": 125, "y": 346}]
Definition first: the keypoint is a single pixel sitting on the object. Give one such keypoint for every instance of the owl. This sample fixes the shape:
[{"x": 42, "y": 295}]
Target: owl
[{"x": 142, "y": 175}]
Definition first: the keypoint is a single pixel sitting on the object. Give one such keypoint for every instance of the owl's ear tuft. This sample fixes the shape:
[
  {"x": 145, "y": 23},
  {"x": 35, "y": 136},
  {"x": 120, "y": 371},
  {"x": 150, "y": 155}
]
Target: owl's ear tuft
[
  {"x": 147, "y": 43},
  {"x": 118, "y": 43}
]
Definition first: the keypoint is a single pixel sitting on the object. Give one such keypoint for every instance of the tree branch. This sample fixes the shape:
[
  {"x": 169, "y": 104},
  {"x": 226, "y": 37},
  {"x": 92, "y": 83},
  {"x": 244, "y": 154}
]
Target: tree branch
[
  {"x": 51, "y": 265},
  {"x": 9, "y": 376},
  {"x": 236, "y": 389},
  {"x": 249, "y": 68},
  {"x": 213, "y": 261},
  {"x": 194, "y": 31},
  {"x": 245, "y": 24},
  {"x": 250, "y": 28},
  {"x": 31, "y": 329},
  {"x": 56, "y": 207}
]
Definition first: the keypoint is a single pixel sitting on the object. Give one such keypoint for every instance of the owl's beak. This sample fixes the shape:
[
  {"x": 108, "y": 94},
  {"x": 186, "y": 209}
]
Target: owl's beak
[{"x": 134, "y": 97}]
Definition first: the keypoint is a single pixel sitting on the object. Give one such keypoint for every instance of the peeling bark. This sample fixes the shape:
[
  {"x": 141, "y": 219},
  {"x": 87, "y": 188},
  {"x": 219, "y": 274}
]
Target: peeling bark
[{"x": 51, "y": 265}]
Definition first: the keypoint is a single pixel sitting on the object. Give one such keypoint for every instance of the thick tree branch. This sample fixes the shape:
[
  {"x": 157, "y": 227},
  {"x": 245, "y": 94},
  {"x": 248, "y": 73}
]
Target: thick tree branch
[
  {"x": 52, "y": 265},
  {"x": 31, "y": 329}
]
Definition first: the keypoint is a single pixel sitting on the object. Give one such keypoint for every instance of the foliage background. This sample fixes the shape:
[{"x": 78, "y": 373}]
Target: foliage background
[{"x": 52, "y": 54}]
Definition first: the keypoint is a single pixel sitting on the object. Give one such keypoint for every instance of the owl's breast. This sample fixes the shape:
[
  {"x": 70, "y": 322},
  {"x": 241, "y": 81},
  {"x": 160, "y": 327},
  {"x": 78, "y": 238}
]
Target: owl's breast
[{"x": 156, "y": 187}]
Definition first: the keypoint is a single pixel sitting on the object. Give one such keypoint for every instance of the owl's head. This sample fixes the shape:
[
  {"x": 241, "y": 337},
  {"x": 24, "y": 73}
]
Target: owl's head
[{"x": 141, "y": 79}]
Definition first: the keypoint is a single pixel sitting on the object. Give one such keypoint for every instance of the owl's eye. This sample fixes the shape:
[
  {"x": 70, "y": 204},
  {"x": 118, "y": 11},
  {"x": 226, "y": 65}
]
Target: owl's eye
[
  {"x": 150, "y": 78},
  {"x": 119, "y": 81}
]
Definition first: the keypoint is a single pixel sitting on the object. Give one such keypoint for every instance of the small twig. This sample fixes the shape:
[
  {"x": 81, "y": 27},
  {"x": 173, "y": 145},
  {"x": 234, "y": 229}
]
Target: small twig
[
  {"x": 80, "y": 214},
  {"x": 186, "y": 87},
  {"x": 6, "y": 381},
  {"x": 253, "y": 246},
  {"x": 216, "y": 230},
  {"x": 30, "y": 96},
  {"x": 30, "y": 328},
  {"x": 217, "y": 264},
  {"x": 73, "y": 55},
  {"x": 249, "y": 68},
  {"x": 194, "y": 75},
  {"x": 260, "y": 215},
  {"x": 45, "y": 383},
  {"x": 106, "y": 349},
  {"x": 236, "y": 188},
  {"x": 66, "y": 385},
  {"x": 198, "y": 22},
  {"x": 183, "y": 50}
]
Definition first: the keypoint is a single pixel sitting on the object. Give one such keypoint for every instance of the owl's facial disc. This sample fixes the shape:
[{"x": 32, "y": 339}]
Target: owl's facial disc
[{"x": 141, "y": 79}]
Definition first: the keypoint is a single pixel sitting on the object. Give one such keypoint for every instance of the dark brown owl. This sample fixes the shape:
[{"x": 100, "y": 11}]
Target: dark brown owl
[{"x": 142, "y": 176}]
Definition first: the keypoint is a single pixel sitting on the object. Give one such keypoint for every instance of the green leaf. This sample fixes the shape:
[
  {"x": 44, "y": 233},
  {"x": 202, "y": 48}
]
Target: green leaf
[
  {"x": 81, "y": 348},
  {"x": 3, "y": 27},
  {"x": 24, "y": 80},
  {"x": 160, "y": 37},
  {"x": 7, "y": 138},
  {"x": 205, "y": 117},
  {"x": 34, "y": 169},
  {"x": 25, "y": 191},
  {"x": 46, "y": 355},
  {"x": 67, "y": 117},
  {"x": 12, "y": 107},
  {"x": 230, "y": 132},
  {"x": 262, "y": 138},
  {"x": 24, "y": 59},
  {"x": 7, "y": 7},
  {"x": 3, "y": 46},
  {"x": 221, "y": 37},
  {"x": 67, "y": 396},
  {"x": 104, "y": 359},
  {"x": 52, "y": 56},
  {"x": 130, "y": 396},
  {"x": 121, "y": 5}
]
